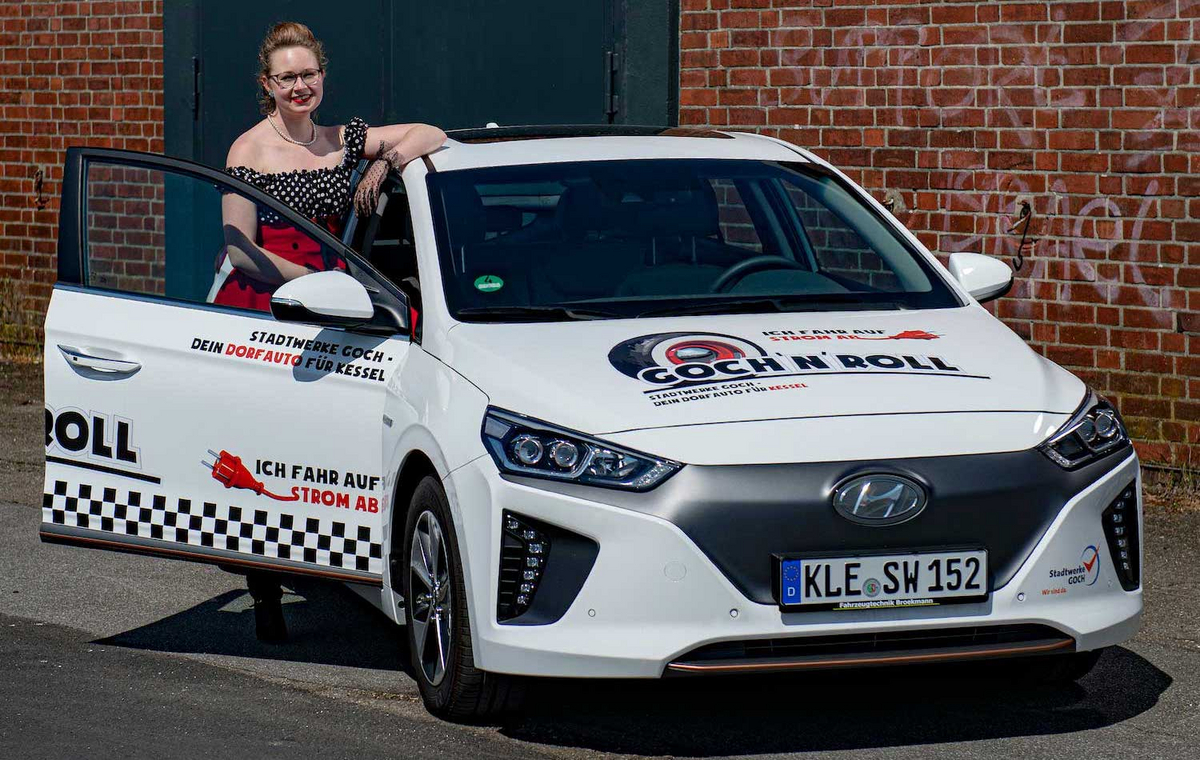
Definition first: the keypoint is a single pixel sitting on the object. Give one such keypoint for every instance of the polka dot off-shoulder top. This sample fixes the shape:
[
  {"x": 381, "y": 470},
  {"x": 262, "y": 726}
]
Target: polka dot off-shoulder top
[{"x": 316, "y": 193}]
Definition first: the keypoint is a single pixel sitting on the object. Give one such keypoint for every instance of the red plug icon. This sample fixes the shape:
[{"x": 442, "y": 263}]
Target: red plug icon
[{"x": 229, "y": 470}]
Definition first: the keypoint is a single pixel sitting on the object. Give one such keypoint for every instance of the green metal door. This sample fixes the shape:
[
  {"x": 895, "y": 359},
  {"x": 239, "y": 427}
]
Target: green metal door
[
  {"x": 455, "y": 63},
  {"x": 464, "y": 63}
]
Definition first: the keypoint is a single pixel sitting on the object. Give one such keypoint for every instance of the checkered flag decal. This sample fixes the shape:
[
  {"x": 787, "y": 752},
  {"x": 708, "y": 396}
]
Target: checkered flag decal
[{"x": 228, "y": 527}]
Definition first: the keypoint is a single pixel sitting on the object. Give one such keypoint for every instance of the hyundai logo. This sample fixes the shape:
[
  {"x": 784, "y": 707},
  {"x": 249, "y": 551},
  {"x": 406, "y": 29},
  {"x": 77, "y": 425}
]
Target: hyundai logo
[{"x": 879, "y": 499}]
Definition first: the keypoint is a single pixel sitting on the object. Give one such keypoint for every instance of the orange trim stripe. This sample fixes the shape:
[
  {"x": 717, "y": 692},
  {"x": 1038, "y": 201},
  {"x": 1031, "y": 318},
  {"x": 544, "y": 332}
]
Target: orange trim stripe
[
  {"x": 890, "y": 660},
  {"x": 206, "y": 558}
]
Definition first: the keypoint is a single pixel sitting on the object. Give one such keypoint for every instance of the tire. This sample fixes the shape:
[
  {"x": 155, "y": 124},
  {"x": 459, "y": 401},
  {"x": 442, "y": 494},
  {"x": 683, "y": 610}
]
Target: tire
[{"x": 451, "y": 686}]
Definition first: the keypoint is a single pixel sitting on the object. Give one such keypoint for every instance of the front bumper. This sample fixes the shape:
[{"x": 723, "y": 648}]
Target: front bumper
[{"x": 653, "y": 595}]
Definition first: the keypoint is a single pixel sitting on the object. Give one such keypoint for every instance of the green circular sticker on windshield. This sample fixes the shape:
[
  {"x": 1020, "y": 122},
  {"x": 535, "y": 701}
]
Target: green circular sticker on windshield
[{"x": 488, "y": 283}]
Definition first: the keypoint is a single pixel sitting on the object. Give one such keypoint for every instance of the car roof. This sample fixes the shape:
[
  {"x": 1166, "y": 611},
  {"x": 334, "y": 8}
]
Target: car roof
[{"x": 508, "y": 146}]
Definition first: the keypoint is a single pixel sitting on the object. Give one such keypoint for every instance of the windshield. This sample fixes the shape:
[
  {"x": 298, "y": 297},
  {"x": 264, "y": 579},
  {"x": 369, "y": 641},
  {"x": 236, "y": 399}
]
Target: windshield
[{"x": 619, "y": 239}]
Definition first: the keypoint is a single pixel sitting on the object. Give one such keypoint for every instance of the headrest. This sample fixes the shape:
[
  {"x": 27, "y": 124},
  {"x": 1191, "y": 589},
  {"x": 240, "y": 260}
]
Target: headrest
[
  {"x": 682, "y": 212},
  {"x": 582, "y": 209},
  {"x": 640, "y": 212}
]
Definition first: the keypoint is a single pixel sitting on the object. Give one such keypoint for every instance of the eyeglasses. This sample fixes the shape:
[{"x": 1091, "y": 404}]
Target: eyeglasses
[{"x": 287, "y": 80}]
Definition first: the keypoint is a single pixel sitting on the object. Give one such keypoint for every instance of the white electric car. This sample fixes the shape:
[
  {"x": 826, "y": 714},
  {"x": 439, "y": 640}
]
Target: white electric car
[{"x": 592, "y": 403}]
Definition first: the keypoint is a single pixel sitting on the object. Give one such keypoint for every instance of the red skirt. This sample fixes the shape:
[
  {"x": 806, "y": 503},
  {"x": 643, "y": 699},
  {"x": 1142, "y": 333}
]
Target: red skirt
[{"x": 285, "y": 241}]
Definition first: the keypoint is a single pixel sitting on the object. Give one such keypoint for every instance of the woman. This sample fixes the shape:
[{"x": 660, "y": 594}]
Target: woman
[
  {"x": 305, "y": 165},
  {"x": 308, "y": 167}
]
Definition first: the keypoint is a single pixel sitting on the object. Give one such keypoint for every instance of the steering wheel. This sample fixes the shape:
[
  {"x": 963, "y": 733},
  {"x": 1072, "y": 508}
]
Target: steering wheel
[{"x": 740, "y": 270}]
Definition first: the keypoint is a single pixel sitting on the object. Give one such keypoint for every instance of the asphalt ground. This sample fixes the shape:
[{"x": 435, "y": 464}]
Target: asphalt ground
[{"x": 115, "y": 655}]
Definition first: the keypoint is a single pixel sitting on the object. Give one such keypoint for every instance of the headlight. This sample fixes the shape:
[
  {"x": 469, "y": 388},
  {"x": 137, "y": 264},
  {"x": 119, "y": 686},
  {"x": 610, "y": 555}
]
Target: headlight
[
  {"x": 523, "y": 446},
  {"x": 1093, "y": 431}
]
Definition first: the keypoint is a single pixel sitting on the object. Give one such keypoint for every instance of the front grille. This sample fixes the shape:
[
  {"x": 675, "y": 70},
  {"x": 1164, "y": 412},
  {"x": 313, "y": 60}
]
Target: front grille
[{"x": 875, "y": 648}]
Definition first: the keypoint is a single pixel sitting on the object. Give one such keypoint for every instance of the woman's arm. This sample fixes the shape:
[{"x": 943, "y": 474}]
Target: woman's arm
[
  {"x": 407, "y": 140},
  {"x": 240, "y": 220},
  {"x": 392, "y": 147}
]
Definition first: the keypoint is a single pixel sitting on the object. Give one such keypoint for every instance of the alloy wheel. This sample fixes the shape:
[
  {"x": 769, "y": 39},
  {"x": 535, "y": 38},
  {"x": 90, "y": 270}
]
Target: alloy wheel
[{"x": 431, "y": 605}]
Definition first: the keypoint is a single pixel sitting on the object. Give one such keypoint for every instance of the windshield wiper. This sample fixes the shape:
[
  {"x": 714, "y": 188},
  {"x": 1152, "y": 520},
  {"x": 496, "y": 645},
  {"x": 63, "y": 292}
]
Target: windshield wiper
[
  {"x": 532, "y": 314},
  {"x": 831, "y": 302}
]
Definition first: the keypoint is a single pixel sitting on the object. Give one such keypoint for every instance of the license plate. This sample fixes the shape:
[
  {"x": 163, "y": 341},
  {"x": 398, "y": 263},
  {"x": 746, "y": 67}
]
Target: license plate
[{"x": 882, "y": 581}]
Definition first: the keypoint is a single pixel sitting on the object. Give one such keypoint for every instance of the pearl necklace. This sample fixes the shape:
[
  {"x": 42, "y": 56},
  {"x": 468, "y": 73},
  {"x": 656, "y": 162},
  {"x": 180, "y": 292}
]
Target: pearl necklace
[{"x": 279, "y": 132}]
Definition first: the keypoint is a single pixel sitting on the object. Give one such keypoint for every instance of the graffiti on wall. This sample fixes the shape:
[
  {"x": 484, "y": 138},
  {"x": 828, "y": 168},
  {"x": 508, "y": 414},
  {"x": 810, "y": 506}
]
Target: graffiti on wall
[{"x": 959, "y": 113}]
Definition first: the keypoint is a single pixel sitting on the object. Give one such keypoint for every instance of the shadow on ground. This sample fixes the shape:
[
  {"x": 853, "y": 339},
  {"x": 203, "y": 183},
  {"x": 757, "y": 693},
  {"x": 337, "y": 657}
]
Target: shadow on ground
[
  {"x": 697, "y": 716},
  {"x": 327, "y": 624},
  {"x": 831, "y": 711}
]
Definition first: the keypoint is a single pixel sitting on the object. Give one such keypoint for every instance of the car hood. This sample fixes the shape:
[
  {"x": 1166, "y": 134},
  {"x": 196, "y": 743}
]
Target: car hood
[{"x": 614, "y": 376}]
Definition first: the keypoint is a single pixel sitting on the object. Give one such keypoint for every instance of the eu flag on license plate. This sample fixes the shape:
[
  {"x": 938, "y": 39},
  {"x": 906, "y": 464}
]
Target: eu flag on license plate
[{"x": 790, "y": 589}]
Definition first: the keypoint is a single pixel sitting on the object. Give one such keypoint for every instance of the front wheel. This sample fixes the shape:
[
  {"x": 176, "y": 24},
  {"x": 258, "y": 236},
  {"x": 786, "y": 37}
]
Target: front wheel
[{"x": 438, "y": 627}]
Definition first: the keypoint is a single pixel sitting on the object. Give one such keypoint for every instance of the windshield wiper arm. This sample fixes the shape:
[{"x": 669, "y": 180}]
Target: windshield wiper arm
[
  {"x": 533, "y": 313},
  {"x": 842, "y": 302},
  {"x": 735, "y": 306}
]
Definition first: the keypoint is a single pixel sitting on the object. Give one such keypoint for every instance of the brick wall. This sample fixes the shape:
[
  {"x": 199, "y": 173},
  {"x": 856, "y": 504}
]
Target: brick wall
[
  {"x": 956, "y": 110},
  {"x": 959, "y": 110},
  {"x": 71, "y": 73}
]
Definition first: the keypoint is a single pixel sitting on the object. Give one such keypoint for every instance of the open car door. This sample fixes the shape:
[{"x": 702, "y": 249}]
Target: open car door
[{"x": 183, "y": 428}]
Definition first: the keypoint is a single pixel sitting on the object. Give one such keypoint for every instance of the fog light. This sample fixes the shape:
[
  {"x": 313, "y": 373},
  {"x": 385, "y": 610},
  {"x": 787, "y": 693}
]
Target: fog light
[
  {"x": 523, "y": 551},
  {"x": 1121, "y": 530}
]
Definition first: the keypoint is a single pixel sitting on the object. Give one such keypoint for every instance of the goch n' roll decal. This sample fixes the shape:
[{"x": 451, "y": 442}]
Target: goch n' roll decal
[{"x": 692, "y": 363}]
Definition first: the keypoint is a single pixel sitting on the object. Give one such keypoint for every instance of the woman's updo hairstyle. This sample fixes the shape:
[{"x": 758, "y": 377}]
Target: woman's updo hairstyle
[{"x": 285, "y": 34}]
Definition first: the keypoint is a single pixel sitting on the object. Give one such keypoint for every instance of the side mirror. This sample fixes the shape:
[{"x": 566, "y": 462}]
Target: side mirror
[
  {"x": 330, "y": 299},
  {"x": 982, "y": 276}
]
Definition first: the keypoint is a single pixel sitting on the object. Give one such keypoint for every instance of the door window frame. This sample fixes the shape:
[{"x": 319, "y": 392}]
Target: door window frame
[{"x": 72, "y": 223}]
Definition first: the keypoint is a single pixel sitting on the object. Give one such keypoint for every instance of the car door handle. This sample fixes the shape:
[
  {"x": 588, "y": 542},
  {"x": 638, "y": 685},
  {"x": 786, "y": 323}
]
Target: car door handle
[{"x": 104, "y": 364}]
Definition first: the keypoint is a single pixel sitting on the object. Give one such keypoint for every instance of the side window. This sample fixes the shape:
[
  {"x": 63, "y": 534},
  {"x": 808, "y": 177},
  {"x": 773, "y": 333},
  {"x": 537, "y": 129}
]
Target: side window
[
  {"x": 386, "y": 238},
  {"x": 126, "y": 229},
  {"x": 188, "y": 238},
  {"x": 839, "y": 250}
]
